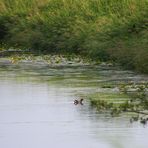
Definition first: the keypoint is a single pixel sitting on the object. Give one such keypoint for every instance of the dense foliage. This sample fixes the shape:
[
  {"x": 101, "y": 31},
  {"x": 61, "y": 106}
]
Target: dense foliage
[{"x": 113, "y": 30}]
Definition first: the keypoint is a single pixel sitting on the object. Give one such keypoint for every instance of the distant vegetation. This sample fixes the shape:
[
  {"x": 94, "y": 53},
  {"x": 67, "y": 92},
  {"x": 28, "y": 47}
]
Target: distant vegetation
[{"x": 102, "y": 30}]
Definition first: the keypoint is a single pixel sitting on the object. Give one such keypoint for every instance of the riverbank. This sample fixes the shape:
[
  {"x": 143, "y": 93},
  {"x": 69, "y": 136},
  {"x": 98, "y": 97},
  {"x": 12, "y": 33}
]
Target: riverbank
[{"x": 100, "y": 30}]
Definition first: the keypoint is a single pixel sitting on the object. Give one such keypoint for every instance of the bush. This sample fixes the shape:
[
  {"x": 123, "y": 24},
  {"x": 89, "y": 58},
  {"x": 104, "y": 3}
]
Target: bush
[{"x": 98, "y": 29}]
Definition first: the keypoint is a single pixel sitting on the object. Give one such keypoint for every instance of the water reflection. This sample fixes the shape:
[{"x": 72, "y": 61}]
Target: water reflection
[{"x": 36, "y": 109}]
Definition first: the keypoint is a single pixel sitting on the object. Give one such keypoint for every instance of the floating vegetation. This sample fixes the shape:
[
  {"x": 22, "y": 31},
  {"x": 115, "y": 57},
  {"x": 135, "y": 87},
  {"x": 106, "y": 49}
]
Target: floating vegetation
[
  {"x": 48, "y": 59},
  {"x": 135, "y": 101},
  {"x": 107, "y": 86}
]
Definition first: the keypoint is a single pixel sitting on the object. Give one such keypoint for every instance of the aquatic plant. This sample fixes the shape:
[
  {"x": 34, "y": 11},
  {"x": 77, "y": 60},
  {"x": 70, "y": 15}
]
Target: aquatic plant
[{"x": 137, "y": 102}]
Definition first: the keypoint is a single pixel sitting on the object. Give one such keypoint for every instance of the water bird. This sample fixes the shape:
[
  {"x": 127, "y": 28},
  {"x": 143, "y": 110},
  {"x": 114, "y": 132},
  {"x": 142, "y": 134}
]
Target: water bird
[{"x": 76, "y": 101}]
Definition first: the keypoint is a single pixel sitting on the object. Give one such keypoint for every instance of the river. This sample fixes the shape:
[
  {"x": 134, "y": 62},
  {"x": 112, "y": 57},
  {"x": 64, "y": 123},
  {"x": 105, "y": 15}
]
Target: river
[{"x": 37, "y": 110}]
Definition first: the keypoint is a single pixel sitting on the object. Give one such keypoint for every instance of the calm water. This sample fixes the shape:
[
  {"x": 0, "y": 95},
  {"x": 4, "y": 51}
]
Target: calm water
[{"x": 37, "y": 110}]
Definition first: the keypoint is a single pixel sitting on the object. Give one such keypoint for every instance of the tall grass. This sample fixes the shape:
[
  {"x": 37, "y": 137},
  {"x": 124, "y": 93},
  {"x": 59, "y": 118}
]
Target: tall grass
[{"x": 100, "y": 29}]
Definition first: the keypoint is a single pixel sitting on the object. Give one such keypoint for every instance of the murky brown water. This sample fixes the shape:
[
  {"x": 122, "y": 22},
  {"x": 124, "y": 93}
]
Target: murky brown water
[{"x": 37, "y": 110}]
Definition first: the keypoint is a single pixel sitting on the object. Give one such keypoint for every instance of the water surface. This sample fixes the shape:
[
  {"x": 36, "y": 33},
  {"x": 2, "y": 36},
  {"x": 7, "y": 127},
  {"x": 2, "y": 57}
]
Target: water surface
[{"x": 37, "y": 110}]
